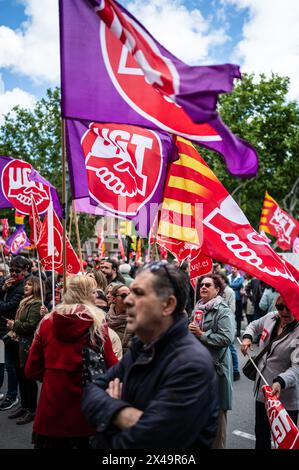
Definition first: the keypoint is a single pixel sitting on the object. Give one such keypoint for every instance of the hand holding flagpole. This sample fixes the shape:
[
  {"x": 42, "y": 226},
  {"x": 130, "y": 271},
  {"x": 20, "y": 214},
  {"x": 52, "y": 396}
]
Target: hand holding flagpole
[{"x": 254, "y": 364}]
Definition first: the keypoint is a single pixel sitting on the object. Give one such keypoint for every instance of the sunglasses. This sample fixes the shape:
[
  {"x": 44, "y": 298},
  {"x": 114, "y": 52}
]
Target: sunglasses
[
  {"x": 123, "y": 296},
  {"x": 156, "y": 265},
  {"x": 205, "y": 284},
  {"x": 15, "y": 270},
  {"x": 281, "y": 307}
]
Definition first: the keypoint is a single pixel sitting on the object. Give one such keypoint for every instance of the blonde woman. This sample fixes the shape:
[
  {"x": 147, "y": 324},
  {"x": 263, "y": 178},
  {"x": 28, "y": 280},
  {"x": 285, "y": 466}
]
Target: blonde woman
[{"x": 56, "y": 359}]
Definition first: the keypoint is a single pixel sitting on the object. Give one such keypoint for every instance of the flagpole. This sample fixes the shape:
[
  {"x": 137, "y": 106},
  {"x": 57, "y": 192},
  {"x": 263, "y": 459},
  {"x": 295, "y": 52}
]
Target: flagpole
[
  {"x": 254, "y": 364},
  {"x": 78, "y": 238},
  {"x": 37, "y": 255},
  {"x": 71, "y": 222},
  {"x": 195, "y": 292},
  {"x": 51, "y": 247},
  {"x": 63, "y": 162}
]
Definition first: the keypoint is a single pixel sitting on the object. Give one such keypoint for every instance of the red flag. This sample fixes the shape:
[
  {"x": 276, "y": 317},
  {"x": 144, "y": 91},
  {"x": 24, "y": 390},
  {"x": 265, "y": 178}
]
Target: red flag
[
  {"x": 227, "y": 234},
  {"x": 5, "y": 228},
  {"x": 284, "y": 431},
  {"x": 101, "y": 243},
  {"x": 34, "y": 223},
  {"x": 44, "y": 248},
  {"x": 179, "y": 249},
  {"x": 200, "y": 264},
  {"x": 278, "y": 223}
]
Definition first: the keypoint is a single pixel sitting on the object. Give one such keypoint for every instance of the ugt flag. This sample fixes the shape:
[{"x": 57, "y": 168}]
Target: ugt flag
[
  {"x": 17, "y": 241},
  {"x": 227, "y": 234},
  {"x": 20, "y": 182},
  {"x": 113, "y": 70},
  {"x": 278, "y": 223},
  {"x": 118, "y": 170},
  {"x": 284, "y": 432}
]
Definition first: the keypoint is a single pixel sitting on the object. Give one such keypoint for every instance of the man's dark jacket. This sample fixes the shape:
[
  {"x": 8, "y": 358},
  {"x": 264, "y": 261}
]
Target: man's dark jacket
[
  {"x": 173, "y": 382},
  {"x": 9, "y": 303}
]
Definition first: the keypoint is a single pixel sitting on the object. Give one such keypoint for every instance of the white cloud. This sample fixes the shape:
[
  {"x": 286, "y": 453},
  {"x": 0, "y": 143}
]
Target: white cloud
[
  {"x": 185, "y": 33},
  {"x": 33, "y": 50},
  {"x": 9, "y": 99},
  {"x": 270, "y": 39}
]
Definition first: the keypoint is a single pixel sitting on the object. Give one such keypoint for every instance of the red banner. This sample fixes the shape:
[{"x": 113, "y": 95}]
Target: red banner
[
  {"x": 44, "y": 249},
  {"x": 278, "y": 223},
  {"x": 284, "y": 431}
]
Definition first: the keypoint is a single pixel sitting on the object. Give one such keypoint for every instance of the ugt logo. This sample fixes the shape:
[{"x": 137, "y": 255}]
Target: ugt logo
[
  {"x": 18, "y": 188},
  {"x": 123, "y": 164}
]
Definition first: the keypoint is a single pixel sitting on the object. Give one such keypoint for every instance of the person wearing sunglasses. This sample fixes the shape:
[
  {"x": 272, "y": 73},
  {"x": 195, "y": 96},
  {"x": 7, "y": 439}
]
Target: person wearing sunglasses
[
  {"x": 279, "y": 366},
  {"x": 216, "y": 331},
  {"x": 163, "y": 393},
  {"x": 11, "y": 294},
  {"x": 117, "y": 314}
]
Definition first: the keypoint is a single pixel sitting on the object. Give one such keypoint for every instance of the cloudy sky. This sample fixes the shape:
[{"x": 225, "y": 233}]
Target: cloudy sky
[{"x": 259, "y": 35}]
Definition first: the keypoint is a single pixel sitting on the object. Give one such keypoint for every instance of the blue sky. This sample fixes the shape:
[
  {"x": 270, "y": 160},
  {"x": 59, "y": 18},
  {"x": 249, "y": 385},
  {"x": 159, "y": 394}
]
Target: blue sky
[{"x": 259, "y": 35}]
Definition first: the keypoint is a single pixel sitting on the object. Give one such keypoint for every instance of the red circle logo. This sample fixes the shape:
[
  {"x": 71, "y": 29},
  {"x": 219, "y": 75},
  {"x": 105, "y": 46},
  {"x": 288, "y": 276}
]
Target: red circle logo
[
  {"x": 124, "y": 165},
  {"x": 19, "y": 189},
  {"x": 129, "y": 80}
]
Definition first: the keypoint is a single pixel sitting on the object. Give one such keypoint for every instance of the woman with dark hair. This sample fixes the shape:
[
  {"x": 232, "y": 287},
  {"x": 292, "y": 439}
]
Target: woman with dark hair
[
  {"x": 212, "y": 324},
  {"x": 117, "y": 315},
  {"x": 23, "y": 329}
]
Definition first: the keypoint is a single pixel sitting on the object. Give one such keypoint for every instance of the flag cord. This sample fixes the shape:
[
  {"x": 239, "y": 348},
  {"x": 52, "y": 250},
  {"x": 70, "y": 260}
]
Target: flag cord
[
  {"x": 255, "y": 366},
  {"x": 63, "y": 162}
]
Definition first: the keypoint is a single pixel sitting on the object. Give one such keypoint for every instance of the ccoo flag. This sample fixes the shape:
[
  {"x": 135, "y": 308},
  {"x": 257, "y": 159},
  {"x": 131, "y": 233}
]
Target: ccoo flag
[
  {"x": 113, "y": 70},
  {"x": 284, "y": 431},
  {"x": 278, "y": 223},
  {"x": 227, "y": 234}
]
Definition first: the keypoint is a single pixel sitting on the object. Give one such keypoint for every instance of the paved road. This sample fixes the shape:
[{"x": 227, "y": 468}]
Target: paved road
[{"x": 240, "y": 420}]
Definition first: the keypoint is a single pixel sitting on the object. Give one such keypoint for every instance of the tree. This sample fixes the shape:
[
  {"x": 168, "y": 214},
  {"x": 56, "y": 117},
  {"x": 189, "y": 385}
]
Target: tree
[
  {"x": 35, "y": 137},
  {"x": 258, "y": 112}
]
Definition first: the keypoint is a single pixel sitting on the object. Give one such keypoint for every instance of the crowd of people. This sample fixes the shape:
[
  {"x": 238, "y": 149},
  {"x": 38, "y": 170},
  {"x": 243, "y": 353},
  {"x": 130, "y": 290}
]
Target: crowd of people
[{"x": 126, "y": 353}]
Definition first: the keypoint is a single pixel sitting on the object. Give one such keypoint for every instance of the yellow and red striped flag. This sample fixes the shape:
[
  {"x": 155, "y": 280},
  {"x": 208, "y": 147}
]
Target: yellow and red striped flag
[
  {"x": 278, "y": 223},
  {"x": 181, "y": 213}
]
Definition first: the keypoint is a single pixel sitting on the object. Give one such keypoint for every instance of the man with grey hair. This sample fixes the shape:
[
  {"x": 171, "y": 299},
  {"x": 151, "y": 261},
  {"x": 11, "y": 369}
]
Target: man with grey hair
[{"x": 163, "y": 393}]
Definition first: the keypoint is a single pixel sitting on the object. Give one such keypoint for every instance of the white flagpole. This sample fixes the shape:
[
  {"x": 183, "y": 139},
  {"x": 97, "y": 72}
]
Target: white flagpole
[
  {"x": 254, "y": 364},
  {"x": 37, "y": 255},
  {"x": 51, "y": 248}
]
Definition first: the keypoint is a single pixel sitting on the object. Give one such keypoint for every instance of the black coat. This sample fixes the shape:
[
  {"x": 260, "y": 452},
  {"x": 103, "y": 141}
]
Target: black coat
[
  {"x": 173, "y": 382},
  {"x": 9, "y": 303}
]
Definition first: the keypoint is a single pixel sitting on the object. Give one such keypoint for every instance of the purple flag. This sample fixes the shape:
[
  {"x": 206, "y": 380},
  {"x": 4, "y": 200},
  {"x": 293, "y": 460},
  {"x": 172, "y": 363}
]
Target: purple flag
[
  {"x": 20, "y": 182},
  {"x": 17, "y": 241},
  {"x": 106, "y": 79},
  {"x": 118, "y": 170}
]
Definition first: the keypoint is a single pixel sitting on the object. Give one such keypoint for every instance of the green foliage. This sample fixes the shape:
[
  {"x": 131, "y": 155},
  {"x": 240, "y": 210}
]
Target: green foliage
[{"x": 259, "y": 113}]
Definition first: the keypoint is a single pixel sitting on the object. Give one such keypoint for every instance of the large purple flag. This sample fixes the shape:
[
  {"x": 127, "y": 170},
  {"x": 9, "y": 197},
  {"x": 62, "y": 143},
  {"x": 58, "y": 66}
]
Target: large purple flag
[
  {"x": 17, "y": 241},
  {"x": 118, "y": 170},
  {"x": 113, "y": 70},
  {"x": 20, "y": 182}
]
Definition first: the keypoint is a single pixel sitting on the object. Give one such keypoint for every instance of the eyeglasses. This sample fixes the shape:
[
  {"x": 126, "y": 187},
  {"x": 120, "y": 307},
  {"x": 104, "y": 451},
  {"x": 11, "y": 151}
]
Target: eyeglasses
[
  {"x": 123, "y": 296},
  {"x": 15, "y": 270},
  {"x": 156, "y": 265},
  {"x": 205, "y": 284},
  {"x": 281, "y": 307}
]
